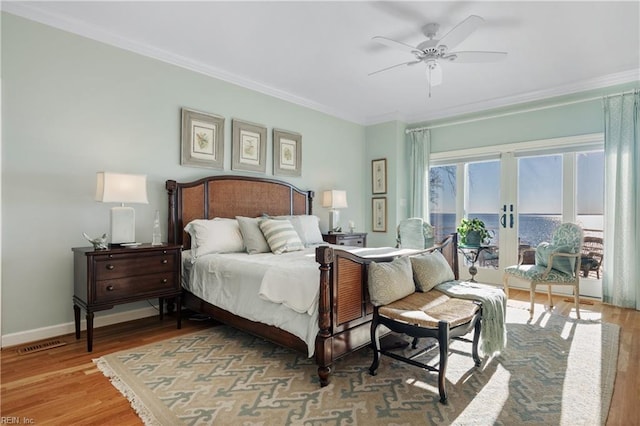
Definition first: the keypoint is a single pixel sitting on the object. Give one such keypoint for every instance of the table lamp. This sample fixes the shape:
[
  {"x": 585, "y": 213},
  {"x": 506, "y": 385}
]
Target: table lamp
[
  {"x": 334, "y": 200},
  {"x": 122, "y": 188}
]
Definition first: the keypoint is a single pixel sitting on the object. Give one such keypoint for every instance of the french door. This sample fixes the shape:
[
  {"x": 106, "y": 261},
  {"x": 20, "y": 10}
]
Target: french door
[{"x": 522, "y": 195}]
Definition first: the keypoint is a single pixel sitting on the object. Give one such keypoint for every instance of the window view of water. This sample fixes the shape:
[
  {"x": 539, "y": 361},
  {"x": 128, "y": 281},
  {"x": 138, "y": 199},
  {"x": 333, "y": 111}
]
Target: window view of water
[{"x": 533, "y": 228}]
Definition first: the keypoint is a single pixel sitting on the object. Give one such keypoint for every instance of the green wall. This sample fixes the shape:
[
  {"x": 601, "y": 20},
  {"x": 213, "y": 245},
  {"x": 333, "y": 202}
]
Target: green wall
[{"x": 72, "y": 107}]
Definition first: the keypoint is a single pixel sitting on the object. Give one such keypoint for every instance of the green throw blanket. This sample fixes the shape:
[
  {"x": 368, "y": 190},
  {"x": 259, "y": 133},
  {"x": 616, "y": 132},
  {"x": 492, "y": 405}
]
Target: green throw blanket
[{"x": 494, "y": 308}]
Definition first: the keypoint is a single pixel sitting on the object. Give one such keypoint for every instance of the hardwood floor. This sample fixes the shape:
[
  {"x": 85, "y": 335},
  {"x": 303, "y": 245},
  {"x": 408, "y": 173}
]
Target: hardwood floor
[{"x": 62, "y": 385}]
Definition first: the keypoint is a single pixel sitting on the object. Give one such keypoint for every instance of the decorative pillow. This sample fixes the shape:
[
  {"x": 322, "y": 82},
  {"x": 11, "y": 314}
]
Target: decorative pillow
[
  {"x": 562, "y": 264},
  {"x": 252, "y": 235},
  {"x": 430, "y": 269},
  {"x": 280, "y": 235},
  {"x": 214, "y": 236},
  {"x": 390, "y": 281},
  {"x": 307, "y": 227}
]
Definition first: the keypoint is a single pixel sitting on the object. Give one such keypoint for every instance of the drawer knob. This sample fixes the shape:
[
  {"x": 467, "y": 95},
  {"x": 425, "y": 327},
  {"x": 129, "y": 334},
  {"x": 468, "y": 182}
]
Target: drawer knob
[
  {"x": 110, "y": 267},
  {"x": 165, "y": 261},
  {"x": 164, "y": 281},
  {"x": 109, "y": 288}
]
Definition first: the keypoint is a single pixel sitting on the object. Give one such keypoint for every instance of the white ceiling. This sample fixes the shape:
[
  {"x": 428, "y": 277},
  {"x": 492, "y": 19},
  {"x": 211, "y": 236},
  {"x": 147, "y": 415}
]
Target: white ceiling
[{"x": 319, "y": 54}]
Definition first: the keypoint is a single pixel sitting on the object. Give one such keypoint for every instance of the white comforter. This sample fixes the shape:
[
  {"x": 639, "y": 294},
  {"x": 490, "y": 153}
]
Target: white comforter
[{"x": 279, "y": 290}]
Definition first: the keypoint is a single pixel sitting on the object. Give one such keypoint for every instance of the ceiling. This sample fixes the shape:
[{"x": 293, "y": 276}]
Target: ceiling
[{"x": 319, "y": 54}]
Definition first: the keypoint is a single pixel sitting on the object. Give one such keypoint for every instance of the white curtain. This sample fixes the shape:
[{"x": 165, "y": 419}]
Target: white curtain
[
  {"x": 419, "y": 142},
  {"x": 621, "y": 280}
]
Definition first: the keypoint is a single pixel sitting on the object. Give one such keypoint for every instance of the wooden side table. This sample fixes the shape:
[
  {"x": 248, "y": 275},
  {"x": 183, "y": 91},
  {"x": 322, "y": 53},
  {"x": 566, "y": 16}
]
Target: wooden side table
[
  {"x": 355, "y": 239},
  {"x": 105, "y": 278}
]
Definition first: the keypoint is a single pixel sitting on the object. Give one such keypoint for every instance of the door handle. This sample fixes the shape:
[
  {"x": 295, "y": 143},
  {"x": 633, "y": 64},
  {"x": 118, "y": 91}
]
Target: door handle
[
  {"x": 511, "y": 216},
  {"x": 503, "y": 220}
]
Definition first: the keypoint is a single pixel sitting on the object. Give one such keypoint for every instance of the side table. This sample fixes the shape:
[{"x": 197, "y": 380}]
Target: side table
[{"x": 105, "y": 278}]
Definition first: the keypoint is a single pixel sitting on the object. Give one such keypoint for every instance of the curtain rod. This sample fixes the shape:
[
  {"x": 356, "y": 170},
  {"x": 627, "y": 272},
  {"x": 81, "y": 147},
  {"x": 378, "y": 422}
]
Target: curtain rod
[{"x": 505, "y": 114}]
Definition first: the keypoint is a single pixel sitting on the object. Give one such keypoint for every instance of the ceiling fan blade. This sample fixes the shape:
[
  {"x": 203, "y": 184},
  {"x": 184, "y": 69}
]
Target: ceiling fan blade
[
  {"x": 460, "y": 32},
  {"x": 476, "y": 56},
  {"x": 395, "y": 44},
  {"x": 395, "y": 66}
]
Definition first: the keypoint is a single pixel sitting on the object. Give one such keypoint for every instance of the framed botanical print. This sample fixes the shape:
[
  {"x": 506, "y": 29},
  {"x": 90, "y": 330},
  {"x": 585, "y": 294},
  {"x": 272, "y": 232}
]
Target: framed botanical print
[
  {"x": 287, "y": 153},
  {"x": 202, "y": 141},
  {"x": 249, "y": 148},
  {"x": 379, "y": 176},
  {"x": 379, "y": 214}
]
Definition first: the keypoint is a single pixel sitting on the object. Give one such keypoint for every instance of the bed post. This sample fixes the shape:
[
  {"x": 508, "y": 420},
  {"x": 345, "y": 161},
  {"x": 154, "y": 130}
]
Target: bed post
[
  {"x": 324, "y": 343},
  {"x": 171, "y": 186}
]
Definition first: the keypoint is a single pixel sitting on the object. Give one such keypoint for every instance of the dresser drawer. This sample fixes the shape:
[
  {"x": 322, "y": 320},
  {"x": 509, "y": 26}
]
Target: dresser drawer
[
  {"x": 133, "y": 287},
  {"x": 351, "y": 241},
  {"x": 118, "y": 266}
]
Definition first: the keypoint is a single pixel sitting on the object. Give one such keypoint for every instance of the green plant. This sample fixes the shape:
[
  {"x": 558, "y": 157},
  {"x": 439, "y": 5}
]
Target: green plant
[{"x": 470, "y": 225}]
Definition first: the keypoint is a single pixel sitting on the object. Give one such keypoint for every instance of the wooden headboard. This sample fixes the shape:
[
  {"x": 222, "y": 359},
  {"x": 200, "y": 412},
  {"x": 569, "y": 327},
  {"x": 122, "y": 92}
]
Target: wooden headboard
[{"x": 230, "y": 196}]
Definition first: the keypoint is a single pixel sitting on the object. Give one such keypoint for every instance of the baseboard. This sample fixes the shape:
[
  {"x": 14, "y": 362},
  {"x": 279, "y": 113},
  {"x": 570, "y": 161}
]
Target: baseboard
[{"x": 28, "y": 336}]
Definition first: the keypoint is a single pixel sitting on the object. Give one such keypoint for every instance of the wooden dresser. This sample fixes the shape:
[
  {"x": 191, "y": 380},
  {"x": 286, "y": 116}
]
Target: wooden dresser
[{"x": 105, "y": 278}]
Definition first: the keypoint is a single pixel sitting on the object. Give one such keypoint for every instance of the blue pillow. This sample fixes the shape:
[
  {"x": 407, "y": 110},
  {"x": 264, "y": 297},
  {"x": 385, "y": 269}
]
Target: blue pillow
[{"x": 562, "y": 264}]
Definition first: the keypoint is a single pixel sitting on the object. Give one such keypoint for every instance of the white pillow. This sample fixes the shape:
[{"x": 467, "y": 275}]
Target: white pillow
[
  {"x": 430, "y": 269},
  {"x": 307, "y": 227},
  {"x": 217, "y": 235},
  {"x": 390, "y": 281},
  {"x": 252, "y": 235},
  {"x": 280, "y": 235}
]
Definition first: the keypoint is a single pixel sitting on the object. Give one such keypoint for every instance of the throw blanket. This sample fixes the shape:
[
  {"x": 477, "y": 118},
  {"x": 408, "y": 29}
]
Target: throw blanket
[{"x": 494, "y": 308}]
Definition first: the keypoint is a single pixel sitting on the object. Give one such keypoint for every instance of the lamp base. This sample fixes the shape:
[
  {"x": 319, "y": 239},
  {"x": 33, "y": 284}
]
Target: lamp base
[
  {"x": 123, "y": 225},
  {"x": 334, "y": 221}
]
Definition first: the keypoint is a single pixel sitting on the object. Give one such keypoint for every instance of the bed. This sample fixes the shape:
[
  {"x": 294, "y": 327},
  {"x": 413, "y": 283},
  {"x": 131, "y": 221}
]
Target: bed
[{"x": 339, "y": 323}]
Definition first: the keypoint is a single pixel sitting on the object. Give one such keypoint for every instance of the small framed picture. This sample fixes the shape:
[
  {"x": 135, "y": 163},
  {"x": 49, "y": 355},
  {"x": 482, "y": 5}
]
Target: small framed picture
[
  {"x": 287, "y": 153},
  {"x": 202, "y": 142},
  {"x": 249, "y": 148},
  {"x": 379, "y": 176},
  {"x": 379, "y": 214}
]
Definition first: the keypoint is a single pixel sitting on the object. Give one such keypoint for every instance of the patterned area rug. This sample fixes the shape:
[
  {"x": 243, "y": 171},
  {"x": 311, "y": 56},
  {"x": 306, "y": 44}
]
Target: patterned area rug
[{"x": 555, "y": 370}]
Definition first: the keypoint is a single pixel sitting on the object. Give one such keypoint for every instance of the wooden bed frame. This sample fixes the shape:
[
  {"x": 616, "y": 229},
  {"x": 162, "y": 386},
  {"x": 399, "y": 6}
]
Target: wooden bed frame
[{"x": 344, "y": 309}]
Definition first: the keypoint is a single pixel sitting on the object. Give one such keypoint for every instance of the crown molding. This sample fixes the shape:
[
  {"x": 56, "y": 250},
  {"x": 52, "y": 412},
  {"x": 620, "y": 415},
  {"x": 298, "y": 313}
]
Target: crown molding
[
  {"x": 582, "y": 86},
  {"x": 33, "y": 13}
]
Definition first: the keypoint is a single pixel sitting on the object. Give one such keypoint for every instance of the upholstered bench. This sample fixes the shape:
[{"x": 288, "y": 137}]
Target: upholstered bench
[
  {"x": 430, "y": 314},
  {"x": 418, "y": 310}
]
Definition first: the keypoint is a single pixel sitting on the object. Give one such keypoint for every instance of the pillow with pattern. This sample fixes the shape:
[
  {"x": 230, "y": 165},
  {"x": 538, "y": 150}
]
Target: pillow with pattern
[
  {"x": 390, "y": 281},
  {"x": 430, "y": 269},
  {"x": 280, "y": 235}
]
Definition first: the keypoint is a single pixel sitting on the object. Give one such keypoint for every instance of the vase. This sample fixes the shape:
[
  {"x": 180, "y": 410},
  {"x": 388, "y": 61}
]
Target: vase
[{"x": 473, "y": 239}]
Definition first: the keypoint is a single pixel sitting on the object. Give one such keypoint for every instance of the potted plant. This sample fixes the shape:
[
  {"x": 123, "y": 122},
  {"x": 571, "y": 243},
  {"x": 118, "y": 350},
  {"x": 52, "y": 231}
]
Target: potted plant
[{"x": 473, "y": 232}]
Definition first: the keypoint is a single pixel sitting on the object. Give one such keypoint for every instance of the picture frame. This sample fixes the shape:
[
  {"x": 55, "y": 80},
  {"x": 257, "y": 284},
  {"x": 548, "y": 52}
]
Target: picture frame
[
  {"x": 287, "y": 153},
  {"x": 379, "y": 176},
  {"x": 202, "y": 139},
  {"x": 249, "y": 146},
  {"x": 379, "y": 214}
]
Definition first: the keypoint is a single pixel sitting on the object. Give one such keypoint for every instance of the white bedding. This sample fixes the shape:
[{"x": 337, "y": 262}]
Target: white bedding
[
  {"x": 279, "y": 290},
  {"x": 234, "y": 282}
]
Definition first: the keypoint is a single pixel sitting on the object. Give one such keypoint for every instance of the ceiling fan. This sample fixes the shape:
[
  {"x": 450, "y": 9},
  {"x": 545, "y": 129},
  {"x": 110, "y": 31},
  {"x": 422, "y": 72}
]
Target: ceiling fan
[{"x": 433, "y": 50}]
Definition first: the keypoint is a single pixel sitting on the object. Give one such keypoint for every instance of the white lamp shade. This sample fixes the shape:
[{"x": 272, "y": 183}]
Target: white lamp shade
[
  {"x": 121, "y": 188},
  {"x": 334, "y": 199}
]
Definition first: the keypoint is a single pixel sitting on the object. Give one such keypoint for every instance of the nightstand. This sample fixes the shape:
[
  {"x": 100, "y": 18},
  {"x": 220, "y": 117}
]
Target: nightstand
[
  {"x": 355, "y": 239},
  {"x": 105, "y": 278}
]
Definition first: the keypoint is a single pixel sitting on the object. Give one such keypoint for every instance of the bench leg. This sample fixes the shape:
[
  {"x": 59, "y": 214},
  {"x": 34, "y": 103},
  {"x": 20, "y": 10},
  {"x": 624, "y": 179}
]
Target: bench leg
[
  {"x": 443, "y": 341},
  {"x": 375, "y": 341},
  {"x": 476, "y": 339}
]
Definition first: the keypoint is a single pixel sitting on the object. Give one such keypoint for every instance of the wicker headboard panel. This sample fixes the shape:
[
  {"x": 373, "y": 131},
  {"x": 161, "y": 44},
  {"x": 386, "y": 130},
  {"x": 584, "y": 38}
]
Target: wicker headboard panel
[{"x": 230, "y": 196}]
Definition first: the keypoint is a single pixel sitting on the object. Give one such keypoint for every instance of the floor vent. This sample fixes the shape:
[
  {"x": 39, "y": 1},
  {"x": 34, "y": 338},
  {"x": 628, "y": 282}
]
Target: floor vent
[{"x": 42, "y": 346}]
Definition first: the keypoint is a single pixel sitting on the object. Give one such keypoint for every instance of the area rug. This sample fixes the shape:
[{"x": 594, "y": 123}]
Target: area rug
[{"x": 555, "y": 370}]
